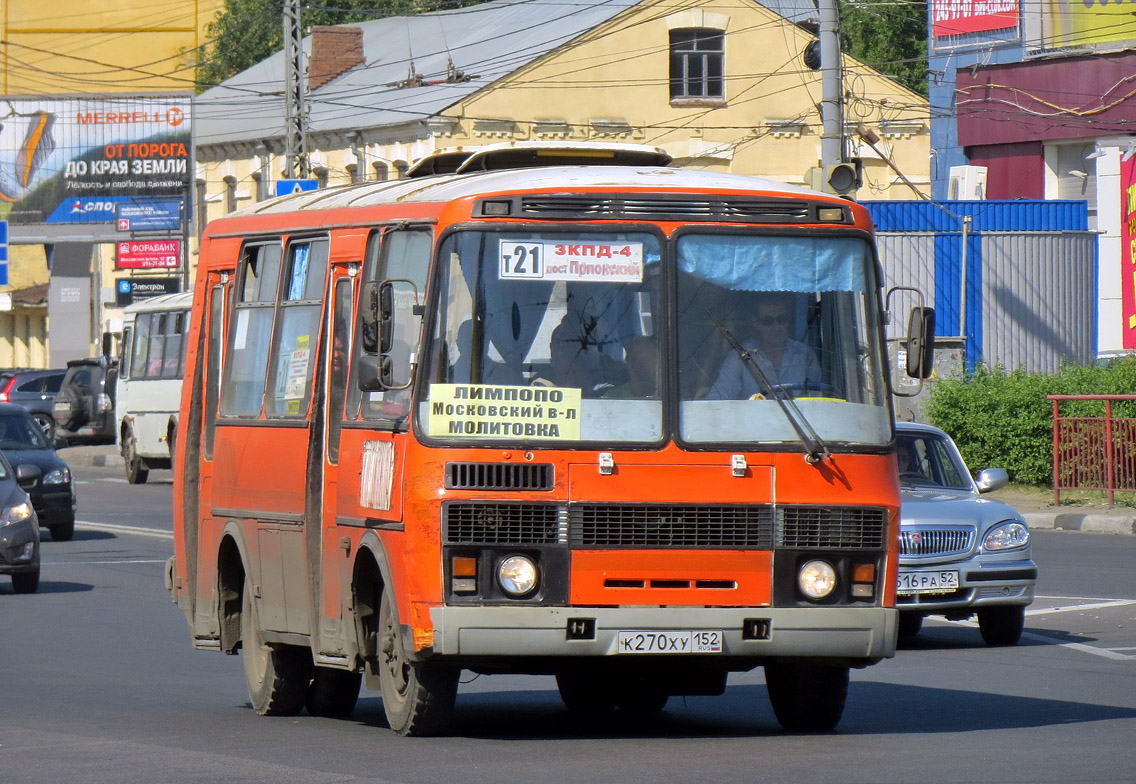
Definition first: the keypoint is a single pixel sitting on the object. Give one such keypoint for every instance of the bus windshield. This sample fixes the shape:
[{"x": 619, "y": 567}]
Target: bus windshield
[{"x": 559, "y": 336}]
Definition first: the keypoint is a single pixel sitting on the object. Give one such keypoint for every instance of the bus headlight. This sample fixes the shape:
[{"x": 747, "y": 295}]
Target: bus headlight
[
  {"x": 816, "y": 579},
  {"x": 517, "y": 576}
]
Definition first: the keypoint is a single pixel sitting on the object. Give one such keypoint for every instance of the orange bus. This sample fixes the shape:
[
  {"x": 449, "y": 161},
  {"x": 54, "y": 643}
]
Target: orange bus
[{"x": 623, "y": 424}]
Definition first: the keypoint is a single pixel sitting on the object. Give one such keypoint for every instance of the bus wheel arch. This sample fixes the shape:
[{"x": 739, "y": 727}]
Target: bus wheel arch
[
  {"x": 369, "y": 577},
  {"x": 230, "y": 593},
  {"x": 136, "y": 469}
]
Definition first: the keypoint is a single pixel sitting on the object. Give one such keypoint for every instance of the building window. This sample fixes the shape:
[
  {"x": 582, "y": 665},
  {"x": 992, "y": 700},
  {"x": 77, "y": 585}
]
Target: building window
[
  {"x": 401, "y": 167},
  {"x": 698, "y": 64},
  {"x": 381, "y": 171},
  {"x": 230, "y": 194}
]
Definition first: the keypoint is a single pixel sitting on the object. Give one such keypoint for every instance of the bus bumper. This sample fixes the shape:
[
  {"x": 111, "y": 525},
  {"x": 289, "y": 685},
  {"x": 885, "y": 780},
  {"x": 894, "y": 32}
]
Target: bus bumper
[{"x": 830, "y": 632}]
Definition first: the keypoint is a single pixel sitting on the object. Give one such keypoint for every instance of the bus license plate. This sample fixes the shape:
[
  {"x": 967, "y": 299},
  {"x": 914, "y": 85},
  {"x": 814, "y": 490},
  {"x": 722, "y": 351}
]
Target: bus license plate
[
  {"x": 927, "y": 582},
  {"x": 670, "y": 642}
]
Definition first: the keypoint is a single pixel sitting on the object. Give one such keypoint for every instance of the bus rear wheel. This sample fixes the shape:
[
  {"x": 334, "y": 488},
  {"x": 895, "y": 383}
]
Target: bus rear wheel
[
  {"x": 418, "y": 697},
  {"x": 278, "y": 676},
  {"x": 136, "y": 470},
  {"x": 807, "y": 697}
]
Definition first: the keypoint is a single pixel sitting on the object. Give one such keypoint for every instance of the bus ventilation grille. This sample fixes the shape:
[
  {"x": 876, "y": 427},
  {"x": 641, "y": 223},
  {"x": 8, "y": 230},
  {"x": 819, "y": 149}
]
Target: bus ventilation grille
[
  {"x": 499, "y": 476},
  {"x": 481, "y": 523},
  {"x": 828, "y": 528},
  {"x": 732, "y": 210},
  {"x": 627, "y": 525}
]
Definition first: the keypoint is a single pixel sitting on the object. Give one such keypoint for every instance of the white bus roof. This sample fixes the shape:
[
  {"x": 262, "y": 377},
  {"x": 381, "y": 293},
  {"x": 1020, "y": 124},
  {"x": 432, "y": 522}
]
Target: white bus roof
[{"x": 182, "y": 299}]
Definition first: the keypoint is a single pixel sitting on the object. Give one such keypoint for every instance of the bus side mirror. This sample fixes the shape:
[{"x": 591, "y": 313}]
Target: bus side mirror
[
  {"x": 376, "y": 372},
  {"x": 921, "y": 342},
  {"x": 369, "y": 318}
]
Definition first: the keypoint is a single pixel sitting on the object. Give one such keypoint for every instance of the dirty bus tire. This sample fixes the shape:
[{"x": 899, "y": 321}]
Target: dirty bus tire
[
  {"x": 418, "y": 697},
  {"x": 333, "y": 693},
  {"x": 136, "y": 472},
  {"x": 586, "y": 692},
  {"x": 807, "y": 697},
  {"x": 277, "y": 675}
]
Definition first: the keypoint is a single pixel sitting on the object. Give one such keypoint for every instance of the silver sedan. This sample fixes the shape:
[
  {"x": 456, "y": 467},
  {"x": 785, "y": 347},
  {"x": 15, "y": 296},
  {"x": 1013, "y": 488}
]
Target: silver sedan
[{"x": 959, "y": 554}]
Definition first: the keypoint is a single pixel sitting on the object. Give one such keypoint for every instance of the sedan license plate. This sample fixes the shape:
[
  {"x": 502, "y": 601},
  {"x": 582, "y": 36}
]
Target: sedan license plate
[
  {"x": 927, "y": 582},
  {"x": 670, "y": 642}
]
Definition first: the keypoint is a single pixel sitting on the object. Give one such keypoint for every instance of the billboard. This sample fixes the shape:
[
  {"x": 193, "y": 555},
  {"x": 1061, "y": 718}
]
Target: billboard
[
  {"x": 147, "y": 254},
  {"x": 74, "y": 160},
  {"x": 1064, "y": 24},
  {"x": 957, "y": 17},
  {"x": 1128, "y": 249}
]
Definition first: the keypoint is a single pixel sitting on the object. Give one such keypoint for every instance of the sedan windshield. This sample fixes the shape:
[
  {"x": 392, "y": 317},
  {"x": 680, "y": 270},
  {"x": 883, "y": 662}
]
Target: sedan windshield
[
  {"x": 20, "y": 431},
  {"x": 927, "y": 460}
]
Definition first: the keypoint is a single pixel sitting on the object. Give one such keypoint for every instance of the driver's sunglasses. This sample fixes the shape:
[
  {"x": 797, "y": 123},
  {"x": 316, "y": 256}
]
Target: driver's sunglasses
[{"x": 769, "y": 321}]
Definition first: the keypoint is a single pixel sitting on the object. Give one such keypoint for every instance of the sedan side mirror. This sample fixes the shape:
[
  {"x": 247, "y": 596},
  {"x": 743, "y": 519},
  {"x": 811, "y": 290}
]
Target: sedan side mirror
[
  {"x": 27, "y": 475},
  {"x": 991, "y": 479}
]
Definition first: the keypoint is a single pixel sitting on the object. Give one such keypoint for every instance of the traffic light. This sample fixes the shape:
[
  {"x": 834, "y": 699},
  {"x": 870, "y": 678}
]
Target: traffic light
[{"x": 842, "y": 179}]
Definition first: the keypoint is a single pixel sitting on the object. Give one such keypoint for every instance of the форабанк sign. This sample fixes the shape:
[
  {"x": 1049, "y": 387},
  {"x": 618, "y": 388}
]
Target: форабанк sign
[{"x": 73, "y": 159}]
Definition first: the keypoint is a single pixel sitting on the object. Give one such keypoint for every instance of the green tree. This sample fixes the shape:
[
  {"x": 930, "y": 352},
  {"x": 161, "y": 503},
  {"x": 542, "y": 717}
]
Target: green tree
[
  {"x": 889, "y": 36},
  {"x": 245, "y": 32}
]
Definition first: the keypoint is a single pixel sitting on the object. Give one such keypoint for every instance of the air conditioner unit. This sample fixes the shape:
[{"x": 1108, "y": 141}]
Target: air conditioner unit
[{"x": 967, "y": 183}]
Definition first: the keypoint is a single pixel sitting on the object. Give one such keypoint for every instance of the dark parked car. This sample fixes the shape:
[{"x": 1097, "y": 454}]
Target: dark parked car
[
  {"x": 84, "y": 406},
  {"x": 51, "y": 490},
  {"x": 35, "y": 390},
  {"x": 19, "y": 530}
]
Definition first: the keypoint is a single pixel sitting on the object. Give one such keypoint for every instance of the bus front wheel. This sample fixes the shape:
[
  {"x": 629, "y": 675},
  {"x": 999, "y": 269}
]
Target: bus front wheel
[
  {"x": 807, "y": 697},
  {"x": 136, "y": 469},
  {"x": 418, "y": 697},
  {"x": 277, "y": 675}
]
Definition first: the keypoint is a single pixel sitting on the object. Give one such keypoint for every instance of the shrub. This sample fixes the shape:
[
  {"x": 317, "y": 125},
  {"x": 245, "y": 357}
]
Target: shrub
[{"x": 1002, "y": 418}]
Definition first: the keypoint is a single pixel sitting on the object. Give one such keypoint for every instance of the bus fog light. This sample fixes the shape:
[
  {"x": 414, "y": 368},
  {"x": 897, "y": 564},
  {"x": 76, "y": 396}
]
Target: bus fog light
[
  {"x": 817, "y": 579},
  {"x": 863, "y": 591},
  {"x": 517, "y": 575}
]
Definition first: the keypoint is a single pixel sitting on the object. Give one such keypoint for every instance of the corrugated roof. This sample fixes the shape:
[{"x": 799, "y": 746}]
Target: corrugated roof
[
  {"x": 990, "y": 215},
  {"x": 486, "y": 42}
]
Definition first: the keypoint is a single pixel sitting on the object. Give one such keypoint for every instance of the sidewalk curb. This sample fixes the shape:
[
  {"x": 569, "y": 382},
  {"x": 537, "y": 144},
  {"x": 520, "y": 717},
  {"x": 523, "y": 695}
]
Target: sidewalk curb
[{"x": 1092, "y": 522}]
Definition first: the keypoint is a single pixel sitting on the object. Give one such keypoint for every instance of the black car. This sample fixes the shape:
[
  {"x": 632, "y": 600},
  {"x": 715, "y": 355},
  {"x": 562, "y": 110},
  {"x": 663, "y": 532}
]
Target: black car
[
  {"x": 51, "y": 490},
  {"x": 35, "y": 390},
  {"x": 84, "y": 405},
  {"x": 19, "y": 530}
]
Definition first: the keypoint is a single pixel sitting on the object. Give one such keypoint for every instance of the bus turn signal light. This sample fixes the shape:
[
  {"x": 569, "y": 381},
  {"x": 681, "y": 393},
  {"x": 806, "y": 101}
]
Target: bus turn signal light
[{"x": 464, "y": 571}]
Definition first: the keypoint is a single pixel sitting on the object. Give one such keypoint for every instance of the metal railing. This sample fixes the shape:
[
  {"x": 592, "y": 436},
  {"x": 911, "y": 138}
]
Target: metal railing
[{"x": 1093, "y": 452}]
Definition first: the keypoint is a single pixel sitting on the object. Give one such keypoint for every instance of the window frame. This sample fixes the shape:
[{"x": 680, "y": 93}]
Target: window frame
[{"x": 685, "y": 48}]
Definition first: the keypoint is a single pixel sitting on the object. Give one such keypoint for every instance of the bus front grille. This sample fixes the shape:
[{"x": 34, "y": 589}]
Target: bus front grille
[
  {"x": 674, "y": 208},
  {"x": 831, "y": 528},
  {"x": 747, "y": 527},
  {"x": 500, "y": 523},
  {"x": 499, "y": 476}
]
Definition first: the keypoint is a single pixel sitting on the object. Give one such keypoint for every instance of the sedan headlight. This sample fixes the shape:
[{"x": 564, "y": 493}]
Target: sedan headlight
[
  {"x": 15, "y": 514},
  {"x": 58, "y": 477},
  {"x": 1006, "y": 536}
]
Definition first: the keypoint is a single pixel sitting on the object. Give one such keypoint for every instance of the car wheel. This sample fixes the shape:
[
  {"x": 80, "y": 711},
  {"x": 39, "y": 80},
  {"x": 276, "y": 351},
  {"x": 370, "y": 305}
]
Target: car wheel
[
  {"x": 807, "y": 697},
  {"x": 47, "y": 425},
  {"x": 586, "y": 692},
  {"x": 277, "y": 675},
  {"x": 909, "y": 625},
  {"x": 136, "y": 470},
  {"x": 26, "y": 582},
  {"x": 418, "y": 697},
  {"x": 62, "y": 532},
  {"x": 333, "y": 693},
  {"x": 1002, "y": 625}
]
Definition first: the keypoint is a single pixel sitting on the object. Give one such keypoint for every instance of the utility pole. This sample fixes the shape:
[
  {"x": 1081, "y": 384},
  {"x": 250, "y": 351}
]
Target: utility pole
[
  {"x": 295, "y": 111},
  {"x": 832, "y": 103}
]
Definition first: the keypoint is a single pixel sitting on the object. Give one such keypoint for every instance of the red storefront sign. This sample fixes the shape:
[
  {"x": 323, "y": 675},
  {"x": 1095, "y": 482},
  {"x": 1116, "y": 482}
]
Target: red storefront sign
[
  {"x": 953, "y": 17},
  {"x": 147, "y": 254}
]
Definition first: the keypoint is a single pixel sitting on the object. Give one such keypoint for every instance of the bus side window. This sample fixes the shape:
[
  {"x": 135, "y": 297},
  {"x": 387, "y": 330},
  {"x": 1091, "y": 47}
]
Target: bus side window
[
  {"x": 297, "y": 331},
  {"x": 124, "y": 357},
  {"x": 213, "y": 369},
  {"x": 246, "y": 357},
  {"x": 340, "y": 351},
  {"x": 141, "y": 345},
  {"x": 402, "y": 254}
]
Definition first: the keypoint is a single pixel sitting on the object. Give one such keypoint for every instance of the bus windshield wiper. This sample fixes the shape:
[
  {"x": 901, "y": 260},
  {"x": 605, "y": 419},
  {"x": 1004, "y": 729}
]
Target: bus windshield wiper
[{"x": 815, "y": 448}]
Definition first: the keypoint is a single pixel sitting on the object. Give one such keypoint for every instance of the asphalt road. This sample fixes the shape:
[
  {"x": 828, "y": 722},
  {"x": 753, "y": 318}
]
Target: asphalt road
[{"x": 101, "y": 685}]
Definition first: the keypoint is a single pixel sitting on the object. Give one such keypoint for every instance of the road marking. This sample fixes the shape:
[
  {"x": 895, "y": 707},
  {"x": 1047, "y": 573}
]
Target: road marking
[
  {"x": 1074, "y": 607},
  {"x": 108, "y": 563},
  {"x": 1106, "y": 653},
  {"x": 103, "y": 479},
  {"x": 124, "y": 529}
]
